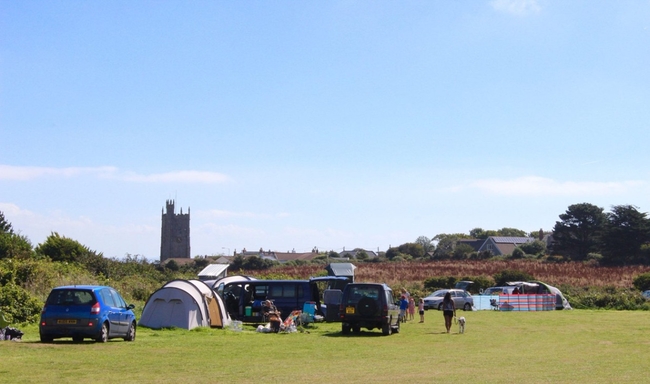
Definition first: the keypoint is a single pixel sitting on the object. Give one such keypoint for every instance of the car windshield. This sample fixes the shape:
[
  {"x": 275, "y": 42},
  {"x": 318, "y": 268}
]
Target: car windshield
[
  {"x": 356, "y": 293},
  {"x": 70, "y": 297},
  {"x": 440, "y": 293}
]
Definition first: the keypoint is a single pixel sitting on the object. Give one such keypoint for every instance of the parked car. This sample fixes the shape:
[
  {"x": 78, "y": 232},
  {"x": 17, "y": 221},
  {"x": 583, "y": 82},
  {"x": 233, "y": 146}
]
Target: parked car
[
  {"x": 462, "y": 299},
  {"x": 86, "y": 311},
  {"x": 498, "y": 290},
  {"x": 368, "y": 305},
  {"x": 646, "y": 294}
]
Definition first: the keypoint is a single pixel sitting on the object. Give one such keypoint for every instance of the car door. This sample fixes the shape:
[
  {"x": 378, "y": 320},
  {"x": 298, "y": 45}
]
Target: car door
[
  {"x": 113, "y": 313},
  {"x": 124, "y": 312}
]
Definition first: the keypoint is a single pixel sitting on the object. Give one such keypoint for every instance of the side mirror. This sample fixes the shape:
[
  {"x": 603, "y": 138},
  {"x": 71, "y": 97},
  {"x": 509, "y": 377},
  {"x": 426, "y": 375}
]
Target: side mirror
[{"x": 131, "y": 306}]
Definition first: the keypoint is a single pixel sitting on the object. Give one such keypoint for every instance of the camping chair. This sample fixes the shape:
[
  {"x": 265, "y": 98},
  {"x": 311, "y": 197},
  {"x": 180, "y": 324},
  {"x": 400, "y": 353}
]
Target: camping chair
[{"x": 494, "y": 304}]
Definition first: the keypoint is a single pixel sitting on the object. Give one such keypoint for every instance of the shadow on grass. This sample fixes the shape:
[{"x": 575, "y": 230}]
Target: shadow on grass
[{"x": 354, "y": 334}]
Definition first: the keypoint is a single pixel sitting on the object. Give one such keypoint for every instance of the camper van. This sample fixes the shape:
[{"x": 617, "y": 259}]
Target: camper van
[{"x": 244, "y": 298}]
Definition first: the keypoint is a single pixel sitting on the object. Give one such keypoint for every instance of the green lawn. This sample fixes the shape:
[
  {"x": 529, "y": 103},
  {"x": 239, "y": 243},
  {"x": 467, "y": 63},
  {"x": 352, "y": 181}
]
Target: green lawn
[{"x": 560, "y": 346}]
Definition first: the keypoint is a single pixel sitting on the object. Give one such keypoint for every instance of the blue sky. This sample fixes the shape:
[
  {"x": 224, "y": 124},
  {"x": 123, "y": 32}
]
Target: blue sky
[{"x": 339, "y": 124}]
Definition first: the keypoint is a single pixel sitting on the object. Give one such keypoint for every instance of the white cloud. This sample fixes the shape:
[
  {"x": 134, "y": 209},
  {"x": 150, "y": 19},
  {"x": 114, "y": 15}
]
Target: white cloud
[
  {"x": 516, "y": 7},
  {"x": 540, "y": 186},
  {"x": 9, "y": 172},
  {"x": 179, "y": 176},
  {"x": 18, "y": 173},
  {"x": 221, "y": 214}
]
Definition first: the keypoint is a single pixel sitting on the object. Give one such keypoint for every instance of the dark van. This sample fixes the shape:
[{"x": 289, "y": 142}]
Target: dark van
[{"x": 243, "y": 298}]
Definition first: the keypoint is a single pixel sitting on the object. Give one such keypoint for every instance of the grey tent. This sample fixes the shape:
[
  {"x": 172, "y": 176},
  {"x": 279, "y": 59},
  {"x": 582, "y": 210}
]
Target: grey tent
[{"x": 184, "y": 304}]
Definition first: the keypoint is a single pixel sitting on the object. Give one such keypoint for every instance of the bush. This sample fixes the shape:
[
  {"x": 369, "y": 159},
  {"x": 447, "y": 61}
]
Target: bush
[
  {"x": 507, "y": 275},
  {"x": 480, "y": 282},
  {"x": 642, "y": 282},
  {"x": 18, "y": 305},
  {"x": 605, "y": 298},
  {"x": 440, "y": 282}
]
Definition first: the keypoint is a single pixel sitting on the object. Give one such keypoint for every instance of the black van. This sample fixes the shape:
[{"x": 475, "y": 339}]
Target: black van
[{"x": 243, "y": 298}]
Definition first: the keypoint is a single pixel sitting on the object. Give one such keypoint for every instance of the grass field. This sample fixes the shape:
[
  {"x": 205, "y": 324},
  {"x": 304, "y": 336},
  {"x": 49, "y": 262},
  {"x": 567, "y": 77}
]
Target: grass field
[{"x": 577, "y": 346}]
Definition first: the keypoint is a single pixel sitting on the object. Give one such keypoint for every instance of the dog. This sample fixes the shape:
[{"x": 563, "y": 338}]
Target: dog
[{"x": 461, "y": 324}]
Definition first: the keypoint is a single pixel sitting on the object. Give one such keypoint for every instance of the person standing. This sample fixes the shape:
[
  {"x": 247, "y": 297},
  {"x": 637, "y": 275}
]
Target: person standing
[
  {"x": 448, "y": 310},
  {"x": 411, "y": 308},
  {"x": 421, "y": 310},
  {"x": 403, "y": 306}
]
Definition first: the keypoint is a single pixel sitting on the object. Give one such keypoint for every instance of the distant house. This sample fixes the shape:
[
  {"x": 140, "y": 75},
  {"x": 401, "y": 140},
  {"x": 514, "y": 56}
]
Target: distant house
[
  {"x": 474, "y": 243},
  {"x": 281, "y": 257},
  {"x": 353, "y": 254},
  {"x": 503, "y": 245}
]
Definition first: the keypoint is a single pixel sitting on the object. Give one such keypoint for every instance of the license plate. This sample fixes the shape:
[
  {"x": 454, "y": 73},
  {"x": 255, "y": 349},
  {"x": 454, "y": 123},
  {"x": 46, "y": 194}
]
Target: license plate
[
  {"x": 349, "y": 310},
  {"x": 67, "y": 321}
]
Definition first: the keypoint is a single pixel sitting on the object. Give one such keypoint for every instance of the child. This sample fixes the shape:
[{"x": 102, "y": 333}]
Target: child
[
  {"x": 403, "y": 306},
  {"x": 411, "y": 308},
  {"x": 421, "y": 310}
]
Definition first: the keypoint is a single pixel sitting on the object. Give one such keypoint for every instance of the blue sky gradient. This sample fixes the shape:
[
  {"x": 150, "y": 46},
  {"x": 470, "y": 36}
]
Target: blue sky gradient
[{"x": 289, "y": 125}]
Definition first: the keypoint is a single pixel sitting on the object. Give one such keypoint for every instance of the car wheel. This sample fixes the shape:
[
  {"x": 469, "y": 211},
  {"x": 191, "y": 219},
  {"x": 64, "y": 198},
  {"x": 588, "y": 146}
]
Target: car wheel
[
  {"x": 440, "y": 307},
  {"x": 130, "y": 336},
  {"x": 356, "y": 329},
  {"x": 387, "y": 328},
  {"x": 103, "y": 334},
  {"x": 345, "y": 328},
  {"x": 77, "y": 339},
  {"x": 467, "y": 307},
  {"x": 46, "y": 339}
]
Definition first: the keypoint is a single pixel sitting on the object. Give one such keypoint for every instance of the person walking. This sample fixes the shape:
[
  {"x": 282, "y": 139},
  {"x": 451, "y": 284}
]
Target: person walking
[
  {"x": 421, "y": 310},
  {"x": 448, "y": 310},
  {"x": 411, "y": 308}
]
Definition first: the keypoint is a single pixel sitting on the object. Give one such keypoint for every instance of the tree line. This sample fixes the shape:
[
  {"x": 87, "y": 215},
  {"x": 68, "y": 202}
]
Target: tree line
[{"x": 584, "y": 232}]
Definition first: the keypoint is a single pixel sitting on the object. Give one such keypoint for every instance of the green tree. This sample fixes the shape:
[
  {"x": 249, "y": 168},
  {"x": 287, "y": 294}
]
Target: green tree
[
  {"x": 415, "y": 250},
  {"x": 5, "y": 226},
  {"x": 626, "y": 232},
  {"x": 462, "y": 251},
  {"x": 536, "y": 248},
  {"x": 511, "y": 232},
  {"x": 578, "y": 232},
  {"x": 478, "y": 233},
  {"x": 14, "y": 246},
  {"x": 426, "y": 243},
  {"x": 446, "y": 244},
  {"x": 361, "y": 255},
  {"x": 61, "y": 248}
]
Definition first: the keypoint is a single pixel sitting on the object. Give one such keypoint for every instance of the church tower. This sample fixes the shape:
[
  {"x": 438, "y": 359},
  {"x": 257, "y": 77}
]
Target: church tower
[{"x": 175, "y": 233}]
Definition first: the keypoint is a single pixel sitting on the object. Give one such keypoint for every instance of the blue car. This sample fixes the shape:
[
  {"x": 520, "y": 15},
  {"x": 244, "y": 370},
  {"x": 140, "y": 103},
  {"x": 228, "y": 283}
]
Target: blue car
[{"x": 86, "y": 311}]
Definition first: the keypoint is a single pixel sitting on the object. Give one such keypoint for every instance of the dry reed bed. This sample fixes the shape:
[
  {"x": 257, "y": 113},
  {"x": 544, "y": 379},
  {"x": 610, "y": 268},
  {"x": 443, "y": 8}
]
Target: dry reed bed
[{"x": 414, "y": 273}]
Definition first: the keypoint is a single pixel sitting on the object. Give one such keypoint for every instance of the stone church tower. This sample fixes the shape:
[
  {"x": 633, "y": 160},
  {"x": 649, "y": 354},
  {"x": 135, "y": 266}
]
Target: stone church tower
[{"x": 175, "y": 234}]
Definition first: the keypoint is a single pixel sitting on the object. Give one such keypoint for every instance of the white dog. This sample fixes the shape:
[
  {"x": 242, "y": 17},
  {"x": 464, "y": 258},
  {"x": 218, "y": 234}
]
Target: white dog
[{"x": 461, "y": 324}]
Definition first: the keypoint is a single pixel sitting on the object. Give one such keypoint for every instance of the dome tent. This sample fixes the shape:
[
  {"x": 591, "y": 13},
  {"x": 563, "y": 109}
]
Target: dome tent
[{"x": 184, "y": 304}]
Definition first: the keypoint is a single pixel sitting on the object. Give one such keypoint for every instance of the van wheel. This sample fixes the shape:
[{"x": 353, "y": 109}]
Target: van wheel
[
  {"x": 467, "y": 307},
  {"x": 356, "y": 329},
  {"x": 387, "y": 328},
  {"x": 345, "y": 328}
]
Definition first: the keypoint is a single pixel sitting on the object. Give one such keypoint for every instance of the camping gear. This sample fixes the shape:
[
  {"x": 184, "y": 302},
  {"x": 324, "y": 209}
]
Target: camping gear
[
  {"x": 10, "y": 333},
  {"x": 184, "y": 304}
]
